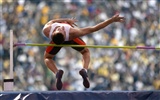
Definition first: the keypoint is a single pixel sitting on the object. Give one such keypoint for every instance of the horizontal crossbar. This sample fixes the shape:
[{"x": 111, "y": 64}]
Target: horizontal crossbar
[{"x": 88, "y": 46}]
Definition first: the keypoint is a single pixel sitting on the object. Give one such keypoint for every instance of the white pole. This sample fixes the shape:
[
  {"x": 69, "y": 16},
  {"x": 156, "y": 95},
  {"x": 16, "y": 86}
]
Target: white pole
[
  {"x": 11, "y": 54},
  {"x": 8, "y": 83}
]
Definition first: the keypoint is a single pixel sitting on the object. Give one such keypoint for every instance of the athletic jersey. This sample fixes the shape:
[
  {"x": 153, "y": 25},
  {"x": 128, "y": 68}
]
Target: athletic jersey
[{"x": 66, "y": 29}]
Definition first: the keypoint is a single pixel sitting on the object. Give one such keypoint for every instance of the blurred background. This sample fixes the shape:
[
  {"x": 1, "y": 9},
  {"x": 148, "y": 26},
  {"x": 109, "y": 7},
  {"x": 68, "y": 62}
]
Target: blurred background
[{"x": 110, "y": 69}]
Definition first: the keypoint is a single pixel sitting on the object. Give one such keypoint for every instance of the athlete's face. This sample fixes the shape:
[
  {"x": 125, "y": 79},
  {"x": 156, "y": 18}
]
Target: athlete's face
[{"x": 59, "y": 30}]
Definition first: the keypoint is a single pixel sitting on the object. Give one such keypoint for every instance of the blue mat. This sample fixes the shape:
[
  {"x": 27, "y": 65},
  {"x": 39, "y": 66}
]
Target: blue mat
[{"x": 83, "y": 95}]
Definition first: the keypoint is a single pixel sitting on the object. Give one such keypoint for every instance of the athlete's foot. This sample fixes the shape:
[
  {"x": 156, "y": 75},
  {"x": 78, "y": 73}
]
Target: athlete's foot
[
  {"x": 59, "y": 83},
  {"x": 84, "y": 75}
]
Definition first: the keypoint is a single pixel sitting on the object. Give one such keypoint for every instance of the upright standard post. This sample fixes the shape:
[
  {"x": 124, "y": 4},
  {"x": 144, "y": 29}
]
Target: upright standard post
[{"x": 8, "y": 83}]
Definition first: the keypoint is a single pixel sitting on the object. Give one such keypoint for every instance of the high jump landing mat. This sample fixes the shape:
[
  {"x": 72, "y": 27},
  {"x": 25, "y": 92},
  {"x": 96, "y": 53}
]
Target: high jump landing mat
[{"x": 80, "y": 95}]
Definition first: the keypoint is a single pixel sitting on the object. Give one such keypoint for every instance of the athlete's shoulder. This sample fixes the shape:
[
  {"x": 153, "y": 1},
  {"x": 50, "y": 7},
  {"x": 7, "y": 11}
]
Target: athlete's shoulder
[{"x": 46, "y": 28}]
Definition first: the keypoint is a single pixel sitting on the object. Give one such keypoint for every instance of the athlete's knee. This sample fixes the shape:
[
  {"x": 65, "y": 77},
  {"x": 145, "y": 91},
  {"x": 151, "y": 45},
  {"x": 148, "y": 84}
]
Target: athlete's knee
[
  {"x": 85, "y": 51},
  {"x": 48, "y": 57}
]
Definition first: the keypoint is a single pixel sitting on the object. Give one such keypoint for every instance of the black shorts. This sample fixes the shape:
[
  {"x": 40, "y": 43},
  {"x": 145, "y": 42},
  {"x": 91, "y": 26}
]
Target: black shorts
[{"x": 54, "y": 50}]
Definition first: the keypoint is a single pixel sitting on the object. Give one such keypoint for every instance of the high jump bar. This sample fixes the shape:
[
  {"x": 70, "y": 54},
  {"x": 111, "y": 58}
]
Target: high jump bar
[{"x": 89, "y": 46}]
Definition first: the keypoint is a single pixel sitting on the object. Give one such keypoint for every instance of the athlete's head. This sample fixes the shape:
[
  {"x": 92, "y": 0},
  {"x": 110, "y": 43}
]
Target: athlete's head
[{"x": 58, "y": 35}]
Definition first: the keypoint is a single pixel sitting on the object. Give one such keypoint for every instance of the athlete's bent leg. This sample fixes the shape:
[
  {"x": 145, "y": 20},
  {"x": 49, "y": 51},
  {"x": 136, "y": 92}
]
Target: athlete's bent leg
[
  {"x": 86, "y": 58},
  {"x": 83, "y": 72},
  {"x": 49, "y": 62},
  {"x": 48, "y": 59}
]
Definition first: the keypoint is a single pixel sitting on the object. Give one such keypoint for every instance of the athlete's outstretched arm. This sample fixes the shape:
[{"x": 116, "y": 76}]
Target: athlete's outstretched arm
[
  {"x": 91, "y": 29},
  {"x": 115, "y": 18}
]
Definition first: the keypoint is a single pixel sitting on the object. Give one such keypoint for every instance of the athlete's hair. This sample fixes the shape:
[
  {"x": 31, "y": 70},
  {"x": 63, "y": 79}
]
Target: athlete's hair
[{"x": 58, "y": 38}]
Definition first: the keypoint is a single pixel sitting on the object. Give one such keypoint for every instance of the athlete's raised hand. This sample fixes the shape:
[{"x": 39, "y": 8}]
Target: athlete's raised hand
[{"x": 117, "y": 18}]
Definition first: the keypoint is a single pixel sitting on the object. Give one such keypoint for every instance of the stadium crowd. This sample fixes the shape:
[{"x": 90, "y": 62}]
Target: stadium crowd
[{"x": 110, "y": 69}]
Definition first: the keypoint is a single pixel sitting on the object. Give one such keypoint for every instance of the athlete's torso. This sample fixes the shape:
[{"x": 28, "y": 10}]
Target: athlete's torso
[{"x": 52, "y": 27}]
